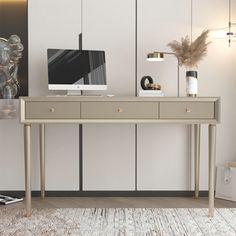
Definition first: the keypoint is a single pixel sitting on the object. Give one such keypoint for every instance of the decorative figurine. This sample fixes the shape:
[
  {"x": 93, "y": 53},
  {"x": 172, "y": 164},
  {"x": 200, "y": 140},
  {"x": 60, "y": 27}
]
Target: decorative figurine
[
  {"x": 150, "y": 85},
  {"x": 10, "y": 54}
]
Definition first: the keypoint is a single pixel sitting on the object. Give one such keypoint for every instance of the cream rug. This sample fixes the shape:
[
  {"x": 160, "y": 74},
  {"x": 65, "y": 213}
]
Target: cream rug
[{"x": 118, "y": 222}]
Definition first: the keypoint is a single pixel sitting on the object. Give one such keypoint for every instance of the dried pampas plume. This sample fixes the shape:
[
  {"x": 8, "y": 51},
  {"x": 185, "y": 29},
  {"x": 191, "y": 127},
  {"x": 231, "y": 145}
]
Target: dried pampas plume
[{"x": 190, "y": 54}]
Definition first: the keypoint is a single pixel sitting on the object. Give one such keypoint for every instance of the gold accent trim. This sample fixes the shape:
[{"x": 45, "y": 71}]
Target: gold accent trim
[
  {"x": 13, "y": 1},
  {"x": 154, "y": 86}
]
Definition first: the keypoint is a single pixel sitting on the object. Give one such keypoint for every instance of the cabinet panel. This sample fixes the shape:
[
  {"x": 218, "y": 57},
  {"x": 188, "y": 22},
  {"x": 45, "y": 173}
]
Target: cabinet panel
[
  {"x": 165, "y": 166},
  {"x": 160, "y": 22},
  {"x": 109, "y": 25},
  {"x": 187, "y": 110},
  {"x": 12, "y": 151},
  {"x": 50, "y": 110},
  {"x": 108, "y": 150},
  {"x": 119, "y": 110},
  {"x": 62, "y": 157},
  {"x": 109, "y": 162},
  {"x": 53, "y": 24},
  {"x": 163, "y": 163}
]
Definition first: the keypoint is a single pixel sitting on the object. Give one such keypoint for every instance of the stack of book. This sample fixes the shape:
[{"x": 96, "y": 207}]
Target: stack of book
[{"x": 151, "y": 93}]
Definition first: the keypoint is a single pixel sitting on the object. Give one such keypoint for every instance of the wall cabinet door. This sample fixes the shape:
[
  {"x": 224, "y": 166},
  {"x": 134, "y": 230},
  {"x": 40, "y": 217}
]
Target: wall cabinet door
[
  {"x": 108, "y": 157},
  {"x": 163, "y": 157},
  {"x": 163, "y": 160},
  {"x": 108, "y": 151},
  {"x": 11, "y": 157},
  {"x": 53, "y": 24},
  {"x": 110, "y": 25}
]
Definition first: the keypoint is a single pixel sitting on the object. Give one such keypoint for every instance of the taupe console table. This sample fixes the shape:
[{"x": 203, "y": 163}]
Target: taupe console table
[{"x": 81, "y": 110}]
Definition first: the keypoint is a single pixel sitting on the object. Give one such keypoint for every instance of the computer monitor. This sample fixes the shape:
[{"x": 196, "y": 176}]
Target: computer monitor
[{"x": 76, "y": 69}]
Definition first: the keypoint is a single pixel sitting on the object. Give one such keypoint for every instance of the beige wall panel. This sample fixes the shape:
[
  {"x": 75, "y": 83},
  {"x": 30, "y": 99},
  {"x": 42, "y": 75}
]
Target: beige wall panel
[
  {"x": 109, "y": 157},
  {"x": 54, "y": 24},
  {"x": 109, "y": 25},
  {"x": 160, "y": 22}
]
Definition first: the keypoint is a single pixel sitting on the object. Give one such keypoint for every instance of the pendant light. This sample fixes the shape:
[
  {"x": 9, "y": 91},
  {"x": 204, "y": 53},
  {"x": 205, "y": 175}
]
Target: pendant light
[
  {"x": 231, "y": 27},
  {"x": 228, "y": 32}
]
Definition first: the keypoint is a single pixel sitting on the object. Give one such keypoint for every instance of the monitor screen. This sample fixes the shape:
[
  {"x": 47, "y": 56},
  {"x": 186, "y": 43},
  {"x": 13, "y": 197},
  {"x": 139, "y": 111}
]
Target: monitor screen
[{"x": 76, "y": 69}]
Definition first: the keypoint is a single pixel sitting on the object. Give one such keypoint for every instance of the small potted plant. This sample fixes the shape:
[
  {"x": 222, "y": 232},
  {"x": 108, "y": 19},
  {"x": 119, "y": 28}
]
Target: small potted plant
[{"x": 189, "y": 55}]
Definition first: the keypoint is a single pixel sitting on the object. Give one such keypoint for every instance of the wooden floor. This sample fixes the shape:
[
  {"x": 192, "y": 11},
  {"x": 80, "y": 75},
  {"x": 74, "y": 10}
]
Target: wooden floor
[{"x": 124, "y": 202}]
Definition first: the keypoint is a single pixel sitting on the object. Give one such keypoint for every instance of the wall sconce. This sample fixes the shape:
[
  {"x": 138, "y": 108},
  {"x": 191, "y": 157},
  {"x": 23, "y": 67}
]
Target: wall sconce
[{"x": 159, "y": 56}]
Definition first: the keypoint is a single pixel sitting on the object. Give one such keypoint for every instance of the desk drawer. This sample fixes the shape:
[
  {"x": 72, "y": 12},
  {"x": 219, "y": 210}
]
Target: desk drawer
[
  {"x": 187, "y": 110},
  {"x": 51, "y": 110},
  {"x": 123, "y": 110}
]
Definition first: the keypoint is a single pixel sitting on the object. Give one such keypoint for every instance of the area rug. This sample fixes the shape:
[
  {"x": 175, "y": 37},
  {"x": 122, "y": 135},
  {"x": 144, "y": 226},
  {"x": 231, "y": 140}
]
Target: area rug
[{"x": 118, "y": 222}]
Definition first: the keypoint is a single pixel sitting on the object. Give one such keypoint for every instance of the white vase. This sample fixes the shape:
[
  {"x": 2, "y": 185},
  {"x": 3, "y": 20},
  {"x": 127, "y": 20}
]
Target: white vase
[{"x": 191, "y": 83}]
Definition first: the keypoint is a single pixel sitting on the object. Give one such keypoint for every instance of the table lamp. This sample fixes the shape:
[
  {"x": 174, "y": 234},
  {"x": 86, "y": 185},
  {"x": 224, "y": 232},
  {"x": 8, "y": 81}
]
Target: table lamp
[{"x": 159, "y": 56}]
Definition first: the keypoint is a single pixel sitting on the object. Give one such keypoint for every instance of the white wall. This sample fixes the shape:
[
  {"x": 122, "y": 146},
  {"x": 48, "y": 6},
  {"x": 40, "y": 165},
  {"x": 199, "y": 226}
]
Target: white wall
[
  {"x": 109, "y": 25},
  {"x": 217, "y": 78}
]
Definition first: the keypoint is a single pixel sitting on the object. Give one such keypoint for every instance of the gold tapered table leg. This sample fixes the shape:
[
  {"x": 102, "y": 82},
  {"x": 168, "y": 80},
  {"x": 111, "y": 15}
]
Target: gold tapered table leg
[
  {"x": 42, "y": 158},
  {"x": 212, "y": 153},
  {"x": 27, "y": 144},
  {"x": 197, "y": 134}
]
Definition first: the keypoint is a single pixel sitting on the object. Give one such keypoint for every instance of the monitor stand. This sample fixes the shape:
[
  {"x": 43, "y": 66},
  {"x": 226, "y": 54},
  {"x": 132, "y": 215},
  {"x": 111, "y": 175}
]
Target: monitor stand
[
  {"x": 79, "y": 93},
  {"x": 74, "y": 93}
]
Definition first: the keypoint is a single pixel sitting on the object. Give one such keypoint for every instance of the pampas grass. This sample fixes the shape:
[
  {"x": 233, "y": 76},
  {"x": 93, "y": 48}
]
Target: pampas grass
[{"x": 190, "y": 54}]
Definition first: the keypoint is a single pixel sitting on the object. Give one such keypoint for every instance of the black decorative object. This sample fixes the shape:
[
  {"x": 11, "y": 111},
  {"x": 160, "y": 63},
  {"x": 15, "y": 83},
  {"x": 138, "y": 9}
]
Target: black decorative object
[
  {"x": 144, "y": 80},
  {"x": 150, "y": 85}
]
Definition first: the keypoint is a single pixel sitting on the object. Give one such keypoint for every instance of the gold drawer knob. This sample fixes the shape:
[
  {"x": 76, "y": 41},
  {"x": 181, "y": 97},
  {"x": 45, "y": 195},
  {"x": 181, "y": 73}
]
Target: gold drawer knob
[
  {"x": 188, "y": 110},
  {"x": 120, "y": 109},
  {"x": 52, "y": 109}
]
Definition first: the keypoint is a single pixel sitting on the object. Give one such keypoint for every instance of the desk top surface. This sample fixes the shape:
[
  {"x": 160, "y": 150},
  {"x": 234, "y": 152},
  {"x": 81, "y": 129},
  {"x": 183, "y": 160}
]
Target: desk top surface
[{"x": 118, "y": 98}]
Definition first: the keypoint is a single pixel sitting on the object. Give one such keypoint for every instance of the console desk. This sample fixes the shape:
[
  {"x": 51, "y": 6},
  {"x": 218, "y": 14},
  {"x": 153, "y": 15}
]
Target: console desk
[{"x": 81, "y": 110}]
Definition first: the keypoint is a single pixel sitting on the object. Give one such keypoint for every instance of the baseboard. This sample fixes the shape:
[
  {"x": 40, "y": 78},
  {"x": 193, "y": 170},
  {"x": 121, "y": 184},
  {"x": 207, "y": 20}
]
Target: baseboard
[{"x": 109, "y": 193}]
